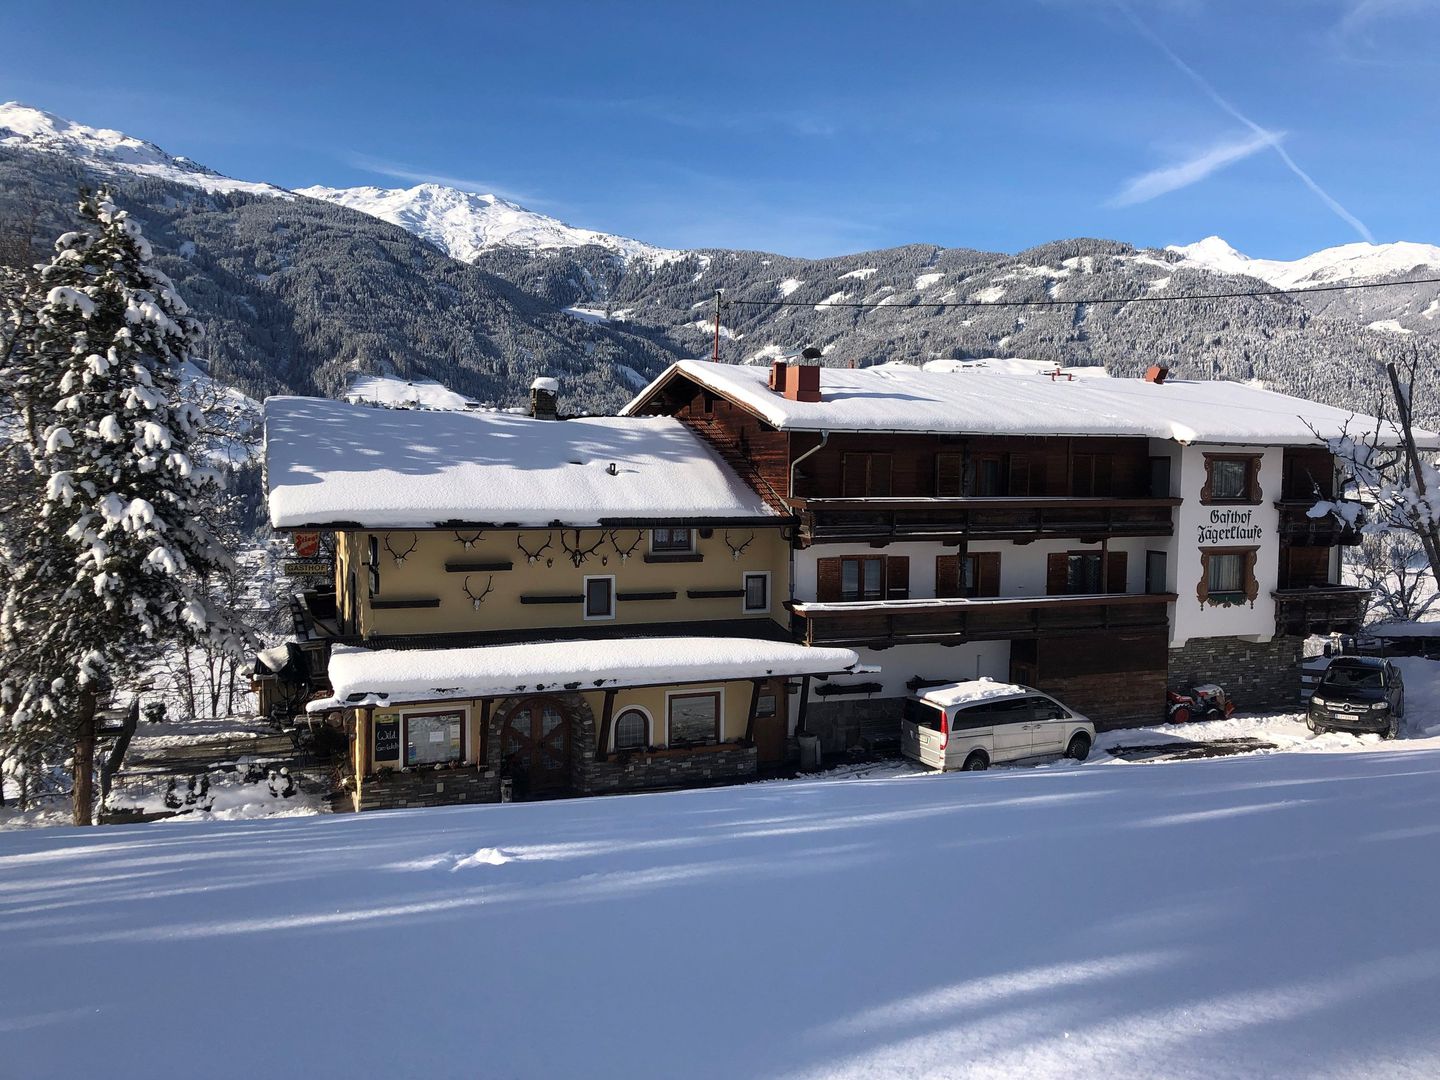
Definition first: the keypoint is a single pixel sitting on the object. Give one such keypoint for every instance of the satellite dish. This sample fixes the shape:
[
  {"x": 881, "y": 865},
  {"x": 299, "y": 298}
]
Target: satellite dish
[{"x": 811, "y": 353}]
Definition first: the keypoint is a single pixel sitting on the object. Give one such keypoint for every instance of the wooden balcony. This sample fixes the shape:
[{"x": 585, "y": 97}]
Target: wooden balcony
[
  {"x": 1299, "y": 529},
  {"x": 833, "y": 521},
  {"x": 882, "y": 623},
  {"x": 1320, "y": 609}
]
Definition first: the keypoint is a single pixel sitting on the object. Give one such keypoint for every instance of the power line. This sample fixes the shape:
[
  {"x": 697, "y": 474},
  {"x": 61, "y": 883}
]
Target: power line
[{"x": 1080, "y": 300}]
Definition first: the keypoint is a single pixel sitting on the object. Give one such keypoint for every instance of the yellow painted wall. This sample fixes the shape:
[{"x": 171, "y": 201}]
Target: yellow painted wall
[{"x": 422, "y": 574}]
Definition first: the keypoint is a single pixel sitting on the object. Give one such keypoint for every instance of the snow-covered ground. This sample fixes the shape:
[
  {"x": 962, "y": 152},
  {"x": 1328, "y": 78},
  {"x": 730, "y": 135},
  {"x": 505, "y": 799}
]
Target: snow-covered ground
[{"x": 1262, "y": 915}]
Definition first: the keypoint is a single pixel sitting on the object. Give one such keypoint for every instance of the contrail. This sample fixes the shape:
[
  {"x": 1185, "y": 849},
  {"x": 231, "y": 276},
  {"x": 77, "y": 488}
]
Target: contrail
[{"x": 1214, "y": 95}]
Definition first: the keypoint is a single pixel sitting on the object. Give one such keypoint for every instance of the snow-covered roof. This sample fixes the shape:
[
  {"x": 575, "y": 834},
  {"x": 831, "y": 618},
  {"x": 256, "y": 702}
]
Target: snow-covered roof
[
  {"x": 329, "y": 462},
  {"x": 986, "y": 401},
  {"x": 390, "y": 676},
  {"x": 968, "y": 693}
]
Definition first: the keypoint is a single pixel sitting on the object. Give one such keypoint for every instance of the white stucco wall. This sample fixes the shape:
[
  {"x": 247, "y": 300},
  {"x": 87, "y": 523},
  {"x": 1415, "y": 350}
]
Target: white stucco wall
[{"x": 1190, "y": 619}]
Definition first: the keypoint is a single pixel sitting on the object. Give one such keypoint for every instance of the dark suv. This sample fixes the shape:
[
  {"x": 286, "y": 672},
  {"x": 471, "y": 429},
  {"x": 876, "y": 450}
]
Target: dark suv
[{"x": 1359, "y": 693}]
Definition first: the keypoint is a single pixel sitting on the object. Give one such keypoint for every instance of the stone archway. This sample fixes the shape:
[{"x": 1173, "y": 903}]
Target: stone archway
[{"x": 543, "y": 742}]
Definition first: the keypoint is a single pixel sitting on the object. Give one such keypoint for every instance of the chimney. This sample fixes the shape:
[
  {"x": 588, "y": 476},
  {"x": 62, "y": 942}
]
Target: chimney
[
  {"x": 544, "y": 395},
  {"x": 804, "y": 383},
  {"x": 778, "y": 370},
  {"x": 1156, "y": 373}
]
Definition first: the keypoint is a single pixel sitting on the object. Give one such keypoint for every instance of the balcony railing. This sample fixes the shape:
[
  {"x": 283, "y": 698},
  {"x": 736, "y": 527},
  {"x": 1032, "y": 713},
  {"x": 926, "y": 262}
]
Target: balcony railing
[
  {"x": 841, "y": 520},
  {"x": 1320, "y": 609},
  {"x": 903, "y": 622},
  {"x": 1297, "y": 527}
]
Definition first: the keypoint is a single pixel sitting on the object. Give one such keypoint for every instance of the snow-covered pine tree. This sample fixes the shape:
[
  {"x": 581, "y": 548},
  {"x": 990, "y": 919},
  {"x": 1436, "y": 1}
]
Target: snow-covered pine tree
[{"x": 111, "y": 565}]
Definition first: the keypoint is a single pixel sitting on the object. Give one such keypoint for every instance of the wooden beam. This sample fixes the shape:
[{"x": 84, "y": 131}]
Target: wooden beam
[
  {"x": 482, "y": 752},
  {"x": 602, "y": 752},
  {"x": 800, "y": 728},
  {"x": 755, "y": 685}
]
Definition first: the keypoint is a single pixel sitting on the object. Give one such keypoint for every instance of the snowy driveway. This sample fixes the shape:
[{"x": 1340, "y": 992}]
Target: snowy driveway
[{"x": 1253, "y": 916}]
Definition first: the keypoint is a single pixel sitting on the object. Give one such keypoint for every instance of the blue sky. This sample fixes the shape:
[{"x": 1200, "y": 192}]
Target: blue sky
[{"x": 804, "y": 128}]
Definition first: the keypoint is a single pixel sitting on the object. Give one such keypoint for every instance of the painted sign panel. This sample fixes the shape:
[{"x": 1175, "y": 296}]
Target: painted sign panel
[
  {"x": 307, "y": 544},
  {"x": 387, "y": 738}
]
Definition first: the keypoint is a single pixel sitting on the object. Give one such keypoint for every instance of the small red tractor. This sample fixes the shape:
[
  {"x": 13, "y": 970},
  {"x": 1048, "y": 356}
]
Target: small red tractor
[{"x": 1203, "y": 701}]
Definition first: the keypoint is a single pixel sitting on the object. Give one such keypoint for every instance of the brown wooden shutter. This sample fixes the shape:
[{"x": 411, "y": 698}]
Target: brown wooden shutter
[
  {"x": 853, "y": 468},
  {"x": 1102, "y": 482},
  {"x": 827, "y": 580},
  {"x": 1116, "y": 572},
  {"x": 987, "y": 573},
  {"x": 1057, "y": 573},
  {"x": 879, "y": 475},
  {"x": 949, "y": 470},
  {"x": 897, "y": 577},
  {"x": 1019, "y": 474},
  {"x": 947, "y": 576}
]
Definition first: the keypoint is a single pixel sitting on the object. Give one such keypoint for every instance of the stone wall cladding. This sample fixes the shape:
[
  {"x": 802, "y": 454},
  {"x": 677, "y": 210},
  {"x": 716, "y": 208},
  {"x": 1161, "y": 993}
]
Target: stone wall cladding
[
  {"x": 1255, "y": 675},
  {"x": 1095, "y": 696},
  {"x": 842, "y": 724},
  {"x": 641, "y": 772},
  {"x": 419, "y": 788}
]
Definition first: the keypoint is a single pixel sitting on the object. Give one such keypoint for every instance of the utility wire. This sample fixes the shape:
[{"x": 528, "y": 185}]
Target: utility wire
[{"x": 1079, "y": 300}]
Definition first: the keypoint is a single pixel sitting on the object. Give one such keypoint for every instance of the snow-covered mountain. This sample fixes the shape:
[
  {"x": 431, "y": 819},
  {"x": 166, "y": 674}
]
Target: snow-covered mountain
[
  {"x": 1329, "y": 266},
  {"x": 109, "y": 152},
  {"x": 463, "y": 224}
]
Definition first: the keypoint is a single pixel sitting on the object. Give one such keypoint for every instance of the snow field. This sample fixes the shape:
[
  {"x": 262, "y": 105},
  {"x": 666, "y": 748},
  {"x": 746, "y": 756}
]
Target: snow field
[{"x": 1237, "y": 917}]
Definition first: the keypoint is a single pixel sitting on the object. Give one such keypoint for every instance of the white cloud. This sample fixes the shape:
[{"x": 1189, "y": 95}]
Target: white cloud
[{"x": 1159, "y": 182}]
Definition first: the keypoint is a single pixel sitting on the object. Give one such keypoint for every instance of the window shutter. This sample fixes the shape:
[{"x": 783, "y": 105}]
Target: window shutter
[
  {"x": 827, "y": 583},
  {"x": 897, "y": 577},
  {"x": 947, "y": 576},
  {"x": 948, "y": 473},
  {"x": 1101, "y": 487},
  {"x": 879, "y": 475},
  {"x": 1019, "y": 474},
  {"x": 1117, "y": 571},
  {"x": 987, "y": 573},
  {"x": 852, "y": 475},
  {"x": 1057, "y": 573}
]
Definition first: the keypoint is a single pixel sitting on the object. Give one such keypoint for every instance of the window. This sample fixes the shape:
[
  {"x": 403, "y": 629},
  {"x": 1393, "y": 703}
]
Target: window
[
  {"x": 986, "y": 475},
  {"x": 432, "y": 738},
  {"x": 1227, "y": 576},
  {"x": 670, "y": 540},
  {"x": 864, "y": 474},
  {"x": 1226, "y": 573},
  {"x": 1156, "y": 572},
  {"x": 1232, "y": 478},
  {"x": 599, "y": 598},
  {"x": 694, "y": 719},
  {"x": 374, "y": 561},
  {"x": 765, "y": 705},
  {"x": 1082, "y": 573},
  {"x": 632, "y": 730},
  {"x": 1045, "y": 709},
  {"x": 974, "y": 575},
  {"x": 757, "y": 592},
  {"x": 862, "y": 578}
]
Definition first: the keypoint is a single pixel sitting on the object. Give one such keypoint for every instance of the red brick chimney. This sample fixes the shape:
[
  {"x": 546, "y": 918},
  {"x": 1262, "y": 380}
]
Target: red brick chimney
[
  {"x": 778, "y": 370},
  {"x": 803, "y": 383},
  {"x": 1156, "y": 373}
]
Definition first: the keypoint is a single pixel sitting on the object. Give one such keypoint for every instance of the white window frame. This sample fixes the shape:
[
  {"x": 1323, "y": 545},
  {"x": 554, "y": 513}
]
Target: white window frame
[
  {"x": 690, "y": 691},
  {"x": 585, "y": 598},
  {"x": 669, "y": 550},
  {"x": 745, "y": 593},
  {"x": 649, "y": 725}
]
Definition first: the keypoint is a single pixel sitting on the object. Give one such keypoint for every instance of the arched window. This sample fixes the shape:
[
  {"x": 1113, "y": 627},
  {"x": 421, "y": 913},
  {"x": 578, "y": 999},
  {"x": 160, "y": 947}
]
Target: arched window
[{"x": 632, "y": 730}]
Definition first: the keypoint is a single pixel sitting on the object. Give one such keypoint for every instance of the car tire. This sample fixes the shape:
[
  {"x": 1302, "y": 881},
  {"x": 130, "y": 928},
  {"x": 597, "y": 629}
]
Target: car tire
[
  {"x": 1400, "y": 706},
  {"x": 1392, "y": 730},
  {"x": 1079, "y": 747},
  {"x": 978, "y": 761}
]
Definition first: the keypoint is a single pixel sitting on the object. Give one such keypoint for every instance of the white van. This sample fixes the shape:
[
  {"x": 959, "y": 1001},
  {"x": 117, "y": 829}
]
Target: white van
[{"x": 968, "y": 725}]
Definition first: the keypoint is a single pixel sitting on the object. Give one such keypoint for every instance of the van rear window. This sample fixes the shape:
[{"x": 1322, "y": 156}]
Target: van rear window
[{"x": 923, "y": 713}]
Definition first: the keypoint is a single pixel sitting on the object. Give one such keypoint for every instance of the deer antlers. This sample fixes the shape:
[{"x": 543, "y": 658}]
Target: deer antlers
[
  {"x": 736, "y": 552},
  {"x": 578, "y": 554},
  {"x": 399, "y": 556},
  {"x": 467, "y": 542},
  {"x": 478, "y": 600},
  {"x": 534, "y": 556},
  {"x": 625, "y": 553}
]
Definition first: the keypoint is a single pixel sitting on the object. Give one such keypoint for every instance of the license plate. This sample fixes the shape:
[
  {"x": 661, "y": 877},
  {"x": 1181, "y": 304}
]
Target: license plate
[{"x": 1346, "y": 716}]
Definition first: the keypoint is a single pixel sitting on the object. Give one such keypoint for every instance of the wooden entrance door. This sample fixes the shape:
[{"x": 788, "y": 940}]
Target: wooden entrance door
[
  {"x": 535, "y": 746},
  {"x": 771, "y": 719}
]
